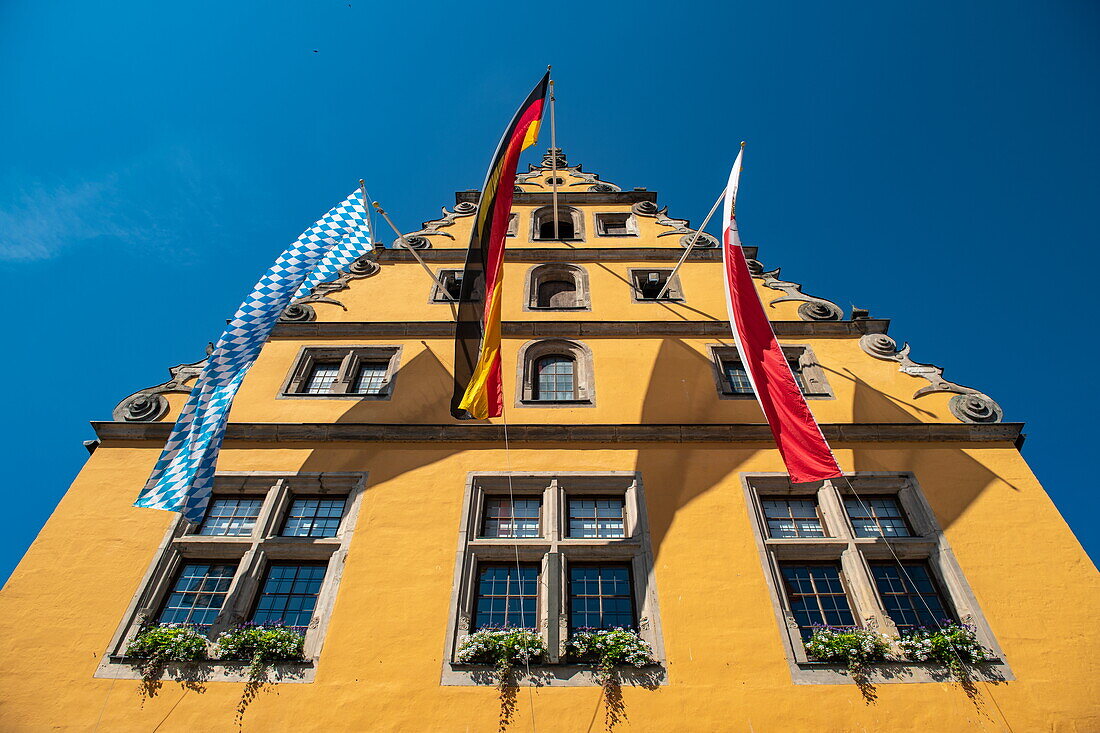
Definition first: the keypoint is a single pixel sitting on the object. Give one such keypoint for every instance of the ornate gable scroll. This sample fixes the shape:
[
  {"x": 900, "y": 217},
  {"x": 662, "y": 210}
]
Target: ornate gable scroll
[{"x": 573, "y": 177}]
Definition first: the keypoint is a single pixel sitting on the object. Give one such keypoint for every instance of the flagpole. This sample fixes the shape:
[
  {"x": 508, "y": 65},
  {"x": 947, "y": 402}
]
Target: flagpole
[
  {"x": 691, "y": 245},
  {"x": 409, "y": 247},
  {"x": 553, "y": 156}
]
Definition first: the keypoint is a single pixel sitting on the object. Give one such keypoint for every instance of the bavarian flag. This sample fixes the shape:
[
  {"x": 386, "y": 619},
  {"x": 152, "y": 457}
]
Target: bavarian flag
[{"x": 477, "y": 381}]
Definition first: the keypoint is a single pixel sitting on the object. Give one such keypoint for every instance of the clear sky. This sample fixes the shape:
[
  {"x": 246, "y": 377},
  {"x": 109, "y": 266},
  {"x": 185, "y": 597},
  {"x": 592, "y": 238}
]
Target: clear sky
[{"x": 935, "y": 162}]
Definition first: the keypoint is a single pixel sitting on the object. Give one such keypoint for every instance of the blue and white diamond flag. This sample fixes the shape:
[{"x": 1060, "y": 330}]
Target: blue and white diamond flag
[{"x": 184, "y": 475}]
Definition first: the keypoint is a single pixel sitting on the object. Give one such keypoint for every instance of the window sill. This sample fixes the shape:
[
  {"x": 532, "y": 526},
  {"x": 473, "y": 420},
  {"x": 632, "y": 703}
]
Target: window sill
[
  {"x": 555, "y": 403},
  {"x": 118, "y": 667},
  {"x": 335, "y": 396},
  {"x": 553, "y": 675},
  {"x": 896, "y": 672}
]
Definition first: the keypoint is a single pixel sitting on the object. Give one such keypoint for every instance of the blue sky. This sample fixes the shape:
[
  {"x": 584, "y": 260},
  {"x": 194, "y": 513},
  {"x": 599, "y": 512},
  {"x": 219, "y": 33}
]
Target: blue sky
[{"x": 933, "y": 162}]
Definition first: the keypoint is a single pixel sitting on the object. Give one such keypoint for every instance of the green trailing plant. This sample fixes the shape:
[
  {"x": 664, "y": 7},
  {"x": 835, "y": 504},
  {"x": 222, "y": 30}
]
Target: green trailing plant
[
  {"x": 953, "y": 645},
  {"x": 609, "y": 648},
  {"x": 851, "y": 646},
  {"x": 155, "y": 646},
  {"x": 502, "y": 648},
  {"x": 262, "y": 646}
]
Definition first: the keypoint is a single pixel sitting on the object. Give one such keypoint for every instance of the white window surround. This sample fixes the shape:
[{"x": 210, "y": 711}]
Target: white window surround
[
  {"x": 852, "y": 554},
  {"x": 553, "y": 551},
  {"x": 349, "y": 357},
  {"x": 253, "y": 553}
]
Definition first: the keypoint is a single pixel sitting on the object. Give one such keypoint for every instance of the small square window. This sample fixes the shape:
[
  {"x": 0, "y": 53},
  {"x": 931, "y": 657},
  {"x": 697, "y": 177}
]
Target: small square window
[
  {"x": 314, "y": 517},
  {"x": 505, "y": 517},
  {"x": 601, "y": 597},
  {"x": 876, "y": 516},
  {"x": 351, "y": 372},
  {"x": 648, "y": 284},
  {"x": 596, "y": 517},
  {"x": 507, "y": 596},
  {"x": 451, "y": 291},
  {"x": 289, "y": 595},
  {"x": 231, "y": 516},
  {"x": 615, "y": 225},
  {"x": 198, "y": 594},
  {"x": 371, "y": 377},
  {"x": 787, "y": 517},
  {"x": 322, "y": 376}
]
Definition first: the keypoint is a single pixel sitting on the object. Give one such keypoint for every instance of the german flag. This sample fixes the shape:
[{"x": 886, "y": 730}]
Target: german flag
[{"x": 477, "y": 382}]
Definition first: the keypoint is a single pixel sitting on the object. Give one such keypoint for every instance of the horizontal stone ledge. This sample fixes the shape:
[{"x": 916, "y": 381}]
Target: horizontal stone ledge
[
  {"x": 578, "y": 253},
  {"x": 557, "y": 433},
  {"x": 575, "y": 329},
  {"x": 566, "y": 196}
]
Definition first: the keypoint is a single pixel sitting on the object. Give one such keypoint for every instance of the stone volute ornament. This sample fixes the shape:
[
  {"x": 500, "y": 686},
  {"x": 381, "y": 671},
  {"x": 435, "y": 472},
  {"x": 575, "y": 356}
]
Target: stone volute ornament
[
  {"x": 419, "y": 239},
  {"x": 968, "y": 405},
  {"x": 554, "y": 160},
  {"x": 149, "y": 404},
  {"x": 301, "y": 310},
  {"x": 676, "y": 226}
]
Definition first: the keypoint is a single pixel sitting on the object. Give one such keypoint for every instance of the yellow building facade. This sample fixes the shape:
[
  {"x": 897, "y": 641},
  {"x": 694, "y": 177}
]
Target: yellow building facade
[{"x": 632, "y": 481}]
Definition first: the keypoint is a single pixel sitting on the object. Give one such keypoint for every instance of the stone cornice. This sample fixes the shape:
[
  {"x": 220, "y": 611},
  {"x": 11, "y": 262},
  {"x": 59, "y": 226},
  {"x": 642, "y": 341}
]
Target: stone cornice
[
  {"x": 580, "y": 253},
  {"x": 565, "y": 197},
  {"x": 576, "y": 329},
  {"x": 837, "y": 433}
]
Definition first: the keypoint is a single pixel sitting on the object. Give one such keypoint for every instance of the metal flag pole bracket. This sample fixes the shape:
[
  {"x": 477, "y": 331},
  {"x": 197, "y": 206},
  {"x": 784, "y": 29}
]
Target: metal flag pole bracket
[
  {"x": 442, "y": 289},
  {"x": 691, "y": 244}
]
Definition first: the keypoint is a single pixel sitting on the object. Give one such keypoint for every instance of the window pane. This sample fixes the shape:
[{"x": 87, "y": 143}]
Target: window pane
[
  {"x": 791, "y": 517},
  {"x": 910, "y": 598},
  {"x": 321, "y": 377},
  {"x": 234, "y": 517},
  {"x": 314, "y": 517},
  {"x": 736, "y": 376},
  {"x": 554, "y": 378},
  {"x": 506, "y": 596},
  {"x": 504, "y": 517},
  {"x": 879, "y": 516},
  {"x": 816, "y": 597},
  {"x": 371, "y": 377},
  {"x": 289, "y": 595},
  {"x": 596, "y": 518},
  {"x": 600, "y": 597},
  {"x": 198, "y": 594}
]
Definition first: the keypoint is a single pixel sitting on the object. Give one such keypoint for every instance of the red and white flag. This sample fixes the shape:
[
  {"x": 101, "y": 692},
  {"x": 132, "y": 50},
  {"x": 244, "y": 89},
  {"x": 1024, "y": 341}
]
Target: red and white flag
[{"x": 797, "y": 435}]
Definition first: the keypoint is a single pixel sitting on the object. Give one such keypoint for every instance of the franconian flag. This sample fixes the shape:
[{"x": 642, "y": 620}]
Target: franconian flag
[
  {"x": 797, "y": 435},
  {"x": 183, "y": 477}
]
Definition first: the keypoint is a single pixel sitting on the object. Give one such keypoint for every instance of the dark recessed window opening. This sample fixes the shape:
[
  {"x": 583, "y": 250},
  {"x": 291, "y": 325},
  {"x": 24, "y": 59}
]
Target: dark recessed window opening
[
  {"x": 791, "y": 517},
  {"x": 600, "y": 597},
  {"x": 231, "y": 517},
  {"x": 555, "y": 181},
  {"x": 289, "y": 595},
  {"x": 452, "y": 285},
  {"x": 565, "y": 229},
  {"x": 596, "y": 518},
  {"x": 557, "y": 294},
  {"x": 613, "y": 225},
  {"x": 910, "y": 598},
  {"x": 314, "y": 517},
  {"x": 816, "y": 597},
  {"x": 555, "y": 378},
  {"x": 198, "y": 594},
  {"x": 505, "y": 517},
  {"x": 507, "y": 595}
]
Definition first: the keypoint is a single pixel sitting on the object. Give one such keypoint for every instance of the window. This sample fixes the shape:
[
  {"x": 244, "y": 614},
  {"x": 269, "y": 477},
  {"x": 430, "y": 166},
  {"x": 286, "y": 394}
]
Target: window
[
  {"x": 909, "y": 595},
  {"x": 506, "y": 596},
  {"x": 732, "y": 378},
  {"x": 259, "y": 573},
  {"x": 826, "y": 570},
  {"x": 570, "y": 224},
  {"x": 355, "y": 372},
  {"x": 553, "y": 181},
  {"x": 513, "y": 225},
  {"x": 313, "y": 517},
  {"x": 556, "y": 553},
  {"x": 198, "y": 594},
  {"x": 451, "y": 289},
  {"x": 816, "y": 596},
  {"x": 557, "y": 286},
  {"x": 648, "y": 284},
  {"x": 555, "y": 372},
  {"x": 596, "y": 517},
  {"x": 507, "y": 517},
  {"x": 876, "y": 516},
  {"x": 788, "y": 517},
  {"x": 616, "y": 225},
  {"x": 289, "y": 594},
  {"x": 601, "y": 597},
  {"x": 231, "y": 516}
]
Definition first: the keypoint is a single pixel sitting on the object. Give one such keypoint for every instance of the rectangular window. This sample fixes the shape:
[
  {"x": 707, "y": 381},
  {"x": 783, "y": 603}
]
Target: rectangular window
[
  {"x": 600, "y": 597},
  {"x": 791, "y": 517},
  {"x": 555, "y": 379},
  {"x": 732, "y": 377},
  {"x": 614, "y": 225},
  {"x": 648, "y": 284},
  {"x": 909, "y": 594},
  {"x": 816, "y": 596},
  {"x": 314, "y": 517},
  {"x": 198, "y": 594},
  {"x": 231, "y": 517},
  {"x": 876, "y": 516},
  {"x": 592, "y": 518},
  {"x": 506, "y": 517},
  {"x": 371, "y": 377},
  {"x": 289, "y": 595},
  {"x": 736, "y": 377},
  {"x": 321, "y": 377},
  {"x": 452, "y": 286},
  {"x": 507, "y": 596}
]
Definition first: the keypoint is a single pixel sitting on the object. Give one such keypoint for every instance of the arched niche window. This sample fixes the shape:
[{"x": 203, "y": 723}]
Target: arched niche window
[
  {"x": 570, "y": 223},
  {"x": 557, "y": 287},
  {"x": 555, "y": 373}
]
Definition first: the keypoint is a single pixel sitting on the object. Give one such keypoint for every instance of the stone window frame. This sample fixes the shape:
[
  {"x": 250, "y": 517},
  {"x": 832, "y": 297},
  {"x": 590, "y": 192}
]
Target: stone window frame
[
  {"x": 350, "y": 357},
  {"x": 631, "y": 223},
  {"x": 675, "y": 292},
  {"x": 553, "y": 551},
  {"x": 813, "y": 374},
  {"x": 583, "y": 374},
  {"x": 574, "y": 213},
  {"x": 438, "y": 295},
  {"x": 538, "y": 274},
  {"x": 253, "y": 553},
  {"x": 853, "y": 554},
  {"x": 513, "y": 224}
]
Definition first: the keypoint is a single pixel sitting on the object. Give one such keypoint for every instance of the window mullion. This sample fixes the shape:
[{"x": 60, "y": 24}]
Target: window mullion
[
  {"x": 275, "y": 506},
  {"x": 866, "y": 606},
  {"x": 551, "y": 613}
]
